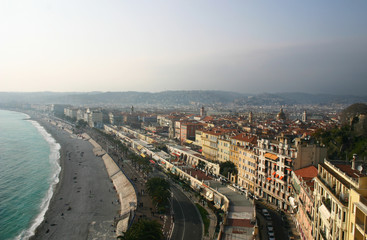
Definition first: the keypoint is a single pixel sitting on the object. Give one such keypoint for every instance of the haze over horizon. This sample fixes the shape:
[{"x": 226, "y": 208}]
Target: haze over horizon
[{"x": 239, "y": 46}]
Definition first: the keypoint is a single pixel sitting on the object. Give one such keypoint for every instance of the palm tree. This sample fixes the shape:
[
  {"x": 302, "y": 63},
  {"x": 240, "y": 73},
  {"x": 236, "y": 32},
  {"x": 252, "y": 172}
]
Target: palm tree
[
  {"x": 158, "y": 189},
  {"x": 144, "y": 229}
]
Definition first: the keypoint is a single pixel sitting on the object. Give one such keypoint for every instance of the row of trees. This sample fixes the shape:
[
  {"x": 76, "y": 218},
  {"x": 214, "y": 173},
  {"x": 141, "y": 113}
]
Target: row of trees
[
  {"x": 144, "y": 229},
  {"x": 158, "y": 189}
]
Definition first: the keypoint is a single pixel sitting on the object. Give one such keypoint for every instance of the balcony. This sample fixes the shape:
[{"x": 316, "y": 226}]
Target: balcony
[
  {"x": 360, "y": 225},
  {"x": 327, "y": 203},
  {"x": 310, "y": 218},
  {"x": 342, "y": 200},
  {"x": 323, "y": 234}
]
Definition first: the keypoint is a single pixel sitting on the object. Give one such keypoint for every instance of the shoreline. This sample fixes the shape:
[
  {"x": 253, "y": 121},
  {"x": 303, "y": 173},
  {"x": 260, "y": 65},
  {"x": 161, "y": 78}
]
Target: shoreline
[
  {"x": 56, "y": 168},
  {"x": 83, "y": 204}
]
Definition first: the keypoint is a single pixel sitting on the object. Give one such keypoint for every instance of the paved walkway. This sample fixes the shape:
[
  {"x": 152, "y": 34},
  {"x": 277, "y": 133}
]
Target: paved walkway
[{"x": 145, "y": 208}]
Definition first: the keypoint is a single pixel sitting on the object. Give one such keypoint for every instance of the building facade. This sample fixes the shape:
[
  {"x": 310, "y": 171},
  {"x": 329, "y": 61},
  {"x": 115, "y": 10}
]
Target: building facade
[{"x": 336, "y": 207}]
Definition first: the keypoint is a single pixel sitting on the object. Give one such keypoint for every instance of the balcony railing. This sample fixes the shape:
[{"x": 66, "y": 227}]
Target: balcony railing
[
  {"x": 310, "y": 218},
  {"x": 360, "y": 223},
  {"x": 323, "y": 234},
  {"x": 332, "y": 190},
  {"x": 327, "y": 203}
]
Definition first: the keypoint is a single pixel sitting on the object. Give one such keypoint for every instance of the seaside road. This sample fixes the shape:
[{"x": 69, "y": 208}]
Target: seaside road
[{"x": 187, "y": 221}]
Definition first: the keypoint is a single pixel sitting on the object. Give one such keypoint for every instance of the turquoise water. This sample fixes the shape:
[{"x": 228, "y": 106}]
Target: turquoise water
[{"x": 29, "y": 171}]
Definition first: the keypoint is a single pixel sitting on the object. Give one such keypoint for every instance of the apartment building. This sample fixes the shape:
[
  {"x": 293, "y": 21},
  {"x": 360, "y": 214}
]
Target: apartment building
[
  {"x": 357, "y": 216},
  {"x": 276, "y": 161},
  {"x": 302, "y": 199},
  {"x": 70, "y": 112},
  {"x": 188, "y": 130},
  {"x": 95, "y": 118},
  {"x": 241, "y": 155},
  {"x": 168, "y": 121},
  {"x": 198, "y": 140},
  {"x": 224, "y": 147},
  {"x": 339, "y": 213},
  {"x": 210, "y": 139},
  {"x": 116, "y": 118},
  {"x": 247, "y": 168}
]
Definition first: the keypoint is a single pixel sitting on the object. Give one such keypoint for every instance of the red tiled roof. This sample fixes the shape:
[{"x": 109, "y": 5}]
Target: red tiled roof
[
  {"x": 243, "y": 137},
  {"x": 307, "y": 172},
  {"x": 208, "y": 118},
  {"x": 349, "y": 171}
]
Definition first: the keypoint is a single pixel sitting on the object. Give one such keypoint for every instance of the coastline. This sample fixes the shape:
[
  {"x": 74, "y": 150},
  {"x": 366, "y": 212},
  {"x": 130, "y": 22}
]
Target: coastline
[
  {"x": 54, "y": 158},
  {"x": 84, "y": 203}
]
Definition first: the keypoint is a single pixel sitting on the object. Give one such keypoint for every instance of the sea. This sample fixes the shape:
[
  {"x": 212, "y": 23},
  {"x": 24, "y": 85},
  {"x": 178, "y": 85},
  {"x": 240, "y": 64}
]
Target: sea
[{"x": 29, "y": 172}]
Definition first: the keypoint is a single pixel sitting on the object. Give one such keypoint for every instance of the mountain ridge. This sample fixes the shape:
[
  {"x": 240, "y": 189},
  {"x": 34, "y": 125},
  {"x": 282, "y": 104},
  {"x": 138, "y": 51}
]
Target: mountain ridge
[{"x": 177, "y": 97}]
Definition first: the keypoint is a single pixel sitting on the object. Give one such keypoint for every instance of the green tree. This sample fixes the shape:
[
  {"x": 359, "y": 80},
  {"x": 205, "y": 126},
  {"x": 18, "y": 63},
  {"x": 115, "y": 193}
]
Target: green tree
[
  {"x": 227, "y": 167},
  {"x": 342, "y": 142},
  {"x": 144, "y": 230},
  {"x": 81, "y": 123},
  {"x": 158, "y": 189}
]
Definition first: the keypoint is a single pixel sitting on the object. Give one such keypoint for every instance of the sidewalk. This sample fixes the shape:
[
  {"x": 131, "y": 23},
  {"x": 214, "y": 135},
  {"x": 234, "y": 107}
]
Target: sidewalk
[{"x": 145, "y": 207}]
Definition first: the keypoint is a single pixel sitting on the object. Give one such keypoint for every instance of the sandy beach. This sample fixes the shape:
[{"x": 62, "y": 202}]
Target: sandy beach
[{"x": 85, "y": 203}]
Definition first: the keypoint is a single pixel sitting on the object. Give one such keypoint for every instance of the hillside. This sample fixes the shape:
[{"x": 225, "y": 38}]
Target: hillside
[{"x": 176, "y": 98}]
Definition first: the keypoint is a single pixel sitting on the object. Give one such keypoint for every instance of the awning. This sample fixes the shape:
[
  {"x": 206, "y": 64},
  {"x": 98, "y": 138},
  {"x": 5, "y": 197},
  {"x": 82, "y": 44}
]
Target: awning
[
  {"x": 289, "y": 169},
  {"x": 281, "y": 177},
  {"x": 271, "y": 156},
  {"x": 139, "y": 147},
  {"x": 175, "y": 154},
  {"x": 273, "y": 173},
  {"x": 189, "y": 141},
  {"x": 143, "y": 155},
  {"x": 151, "y": 161},
  {"x": 277, "y": 176},
  {"x": 289, "y": 160},
  {"x": 268, "y": 178}
]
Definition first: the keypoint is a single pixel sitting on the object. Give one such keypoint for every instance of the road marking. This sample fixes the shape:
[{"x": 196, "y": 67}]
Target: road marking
[{"x": 182, "y": 215}]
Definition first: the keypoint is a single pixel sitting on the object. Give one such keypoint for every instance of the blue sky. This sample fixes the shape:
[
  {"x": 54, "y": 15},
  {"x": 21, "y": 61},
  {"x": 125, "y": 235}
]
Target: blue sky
[{"x": 242, "y": 46}]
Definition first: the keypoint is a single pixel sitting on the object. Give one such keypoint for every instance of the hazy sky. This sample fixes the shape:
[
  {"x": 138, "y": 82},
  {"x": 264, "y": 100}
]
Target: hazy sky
[{"x": 242, "y": 46}]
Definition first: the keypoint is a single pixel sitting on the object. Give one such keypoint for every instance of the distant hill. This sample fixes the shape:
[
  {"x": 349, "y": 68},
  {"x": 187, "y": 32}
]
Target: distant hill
[{"x": 176, "y": 98}]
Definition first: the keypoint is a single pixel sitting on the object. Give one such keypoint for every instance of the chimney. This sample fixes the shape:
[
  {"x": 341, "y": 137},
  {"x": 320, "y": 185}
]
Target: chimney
[{"x": 354, "y": 161}]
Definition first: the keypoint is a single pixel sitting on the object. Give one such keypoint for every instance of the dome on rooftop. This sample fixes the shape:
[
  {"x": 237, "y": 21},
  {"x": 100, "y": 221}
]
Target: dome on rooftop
[{"x": 281, "y": 115}]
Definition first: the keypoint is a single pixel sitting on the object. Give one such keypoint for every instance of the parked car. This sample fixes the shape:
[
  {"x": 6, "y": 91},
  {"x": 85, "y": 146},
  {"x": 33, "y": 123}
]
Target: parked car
[
  {"x": 266, "y": 214},
  {"x": 270, "y": 227}
]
